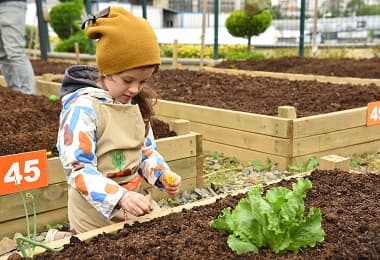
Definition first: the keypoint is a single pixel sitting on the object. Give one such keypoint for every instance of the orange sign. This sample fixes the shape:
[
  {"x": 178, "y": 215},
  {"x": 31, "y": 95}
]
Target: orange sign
[
  {"x": 28, "y": 170},
  {"x": 373, "y": 113}
]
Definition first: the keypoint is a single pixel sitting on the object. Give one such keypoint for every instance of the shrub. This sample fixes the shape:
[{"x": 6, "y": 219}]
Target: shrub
[
  {"x": 65, "y": 21},
  {"x": 69, "y": 44},
  {"x": 239, "y": 24}
]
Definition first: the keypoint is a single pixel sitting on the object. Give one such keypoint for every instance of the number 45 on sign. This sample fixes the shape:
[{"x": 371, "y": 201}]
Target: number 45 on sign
[
  {"x": 28, "y": 170},
  {"x": 373, "y": 113}
]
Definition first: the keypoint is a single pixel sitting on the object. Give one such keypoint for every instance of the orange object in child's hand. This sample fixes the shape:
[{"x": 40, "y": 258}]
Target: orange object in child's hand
[{"x": 170, "y": 178}]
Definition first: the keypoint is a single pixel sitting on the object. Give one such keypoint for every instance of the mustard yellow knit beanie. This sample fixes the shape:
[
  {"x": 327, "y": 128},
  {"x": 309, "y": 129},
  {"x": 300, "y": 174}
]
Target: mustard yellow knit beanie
[{"x": 124, "y": 42}]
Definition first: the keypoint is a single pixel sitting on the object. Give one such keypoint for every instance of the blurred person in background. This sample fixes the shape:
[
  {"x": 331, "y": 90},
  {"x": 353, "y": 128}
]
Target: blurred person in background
[{"x": 14, "y": 63}]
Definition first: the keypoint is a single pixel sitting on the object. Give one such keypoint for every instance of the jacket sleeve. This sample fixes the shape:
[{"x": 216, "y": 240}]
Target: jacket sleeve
[
  {"x": 76, "y": 143},
  {"x": 152, "y": 163}
]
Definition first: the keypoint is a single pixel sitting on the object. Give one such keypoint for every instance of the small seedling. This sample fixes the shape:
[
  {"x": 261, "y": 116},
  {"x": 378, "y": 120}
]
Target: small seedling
[
  {"x": 259, "y": 166},
  {"x": 31, "y": 241},
  {"x": 311, "y": 164}
]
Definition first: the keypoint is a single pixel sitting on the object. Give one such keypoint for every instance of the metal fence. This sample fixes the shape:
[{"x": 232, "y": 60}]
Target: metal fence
[
  {"x": 322, "y": 23},
  {"x": 182, "y": 20}
]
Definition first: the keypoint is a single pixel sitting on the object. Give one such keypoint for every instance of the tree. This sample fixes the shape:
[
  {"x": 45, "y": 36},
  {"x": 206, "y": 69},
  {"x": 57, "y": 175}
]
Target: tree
[
  {"x": 65, "y": 20},
  {"x": 353, "y": 6},
  {"x": 239, "y": 24}
]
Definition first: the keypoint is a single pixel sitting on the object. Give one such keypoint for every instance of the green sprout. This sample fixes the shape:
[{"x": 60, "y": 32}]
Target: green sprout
[
  {"x": 310, "y": 165},
  {"x": 31, "y": 241}
]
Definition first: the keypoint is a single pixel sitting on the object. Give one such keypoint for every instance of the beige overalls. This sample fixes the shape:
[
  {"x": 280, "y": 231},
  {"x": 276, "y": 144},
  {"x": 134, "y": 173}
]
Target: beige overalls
[{"x": 120, "y": 137}]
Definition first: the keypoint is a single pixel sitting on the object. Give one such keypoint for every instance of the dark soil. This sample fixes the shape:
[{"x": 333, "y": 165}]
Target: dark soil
[
  {"x": 343, "y": 67},
  {"x": 260, "y": 95},
  {"x": 350, "y": 218},
  {"x": 41, "y": 67},
  {"x": 30, "y": 123}
]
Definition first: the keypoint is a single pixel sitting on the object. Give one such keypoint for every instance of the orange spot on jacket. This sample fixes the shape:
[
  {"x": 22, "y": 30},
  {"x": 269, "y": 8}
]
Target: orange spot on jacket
[{"x": 81, "y": 185}]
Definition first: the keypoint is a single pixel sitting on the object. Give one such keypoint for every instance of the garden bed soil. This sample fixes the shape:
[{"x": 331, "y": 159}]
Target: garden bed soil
[
  {"x": 260, "y": 95},
  {"x": 30, "y": 123},
  {"x": 350, "y": 219},
  {"x": 342, "y": 67}
]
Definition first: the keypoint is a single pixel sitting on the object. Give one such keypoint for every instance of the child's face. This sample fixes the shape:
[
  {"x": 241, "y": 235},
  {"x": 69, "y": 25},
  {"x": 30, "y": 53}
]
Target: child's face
[{"x": 125, "y": 85}]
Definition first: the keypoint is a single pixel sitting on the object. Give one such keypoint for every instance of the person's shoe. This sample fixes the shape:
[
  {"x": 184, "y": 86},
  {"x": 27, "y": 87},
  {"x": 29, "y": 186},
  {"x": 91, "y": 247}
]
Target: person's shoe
[{"x": 55, "y": 234}]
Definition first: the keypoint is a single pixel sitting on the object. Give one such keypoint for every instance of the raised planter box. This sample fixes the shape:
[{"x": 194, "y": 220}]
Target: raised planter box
[
  {"x": 284, "y": 139},
  {"x": 186, "y": 233}
]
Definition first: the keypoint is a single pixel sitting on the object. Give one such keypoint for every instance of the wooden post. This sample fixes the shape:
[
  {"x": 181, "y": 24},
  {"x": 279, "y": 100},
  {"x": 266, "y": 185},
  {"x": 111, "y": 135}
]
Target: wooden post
[
  {"x": 204, "y": 9},
  {"x": 175, "y": 54},
  {"x": 180, "y": 126},
  {"x": 331, "y": 162},
  {"x": 77, "y": 53},
  {"x": 287, "y": 112}
]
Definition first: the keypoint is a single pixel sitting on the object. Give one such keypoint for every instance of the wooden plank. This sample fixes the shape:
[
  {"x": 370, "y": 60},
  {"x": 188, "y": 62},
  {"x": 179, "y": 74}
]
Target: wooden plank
[
  {"x": 52, "y": 77},
  {"x": 336, "y": 140},
  {"x": 297, "y": 76},
  {"x": 56, "y": 173},
  {"x": 180, "y": 126},
  {"x": 200, "y": 174},
  {"x": 2, "y": 81},
  {"x": 330, "y": 122},
  {"x": 369, "y": 147},
  {"x": 177, "y": 147},
  {"x": 331, "y": 162},
  {"x": 47, "y": 198},
  {"x": 57, "y": 216},
  {"x": 245, "y": 155},
  {"x": 244, "y": 139},
  {"x": 256, "y": 123},
  {"x": 199, "y": 141},
  {"x": 186, "y": 167},
  {"x": 47, "y": 88}
]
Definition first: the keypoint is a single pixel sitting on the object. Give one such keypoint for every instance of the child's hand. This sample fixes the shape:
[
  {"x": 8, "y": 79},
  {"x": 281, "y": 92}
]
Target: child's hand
[
  {"x": 172, "y": 183},
  {"x": 135, "y": 203}
]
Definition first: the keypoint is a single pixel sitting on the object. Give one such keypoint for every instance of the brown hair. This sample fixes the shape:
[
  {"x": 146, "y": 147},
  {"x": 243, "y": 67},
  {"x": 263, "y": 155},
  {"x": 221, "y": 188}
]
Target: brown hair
[{"x": 146, "y": 99}]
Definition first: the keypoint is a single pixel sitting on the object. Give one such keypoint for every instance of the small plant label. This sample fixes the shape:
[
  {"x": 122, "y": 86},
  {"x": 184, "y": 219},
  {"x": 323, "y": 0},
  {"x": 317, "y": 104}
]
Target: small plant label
[
  {"x": 24, "y": 171},
  {"x": 373, "y": 113}
]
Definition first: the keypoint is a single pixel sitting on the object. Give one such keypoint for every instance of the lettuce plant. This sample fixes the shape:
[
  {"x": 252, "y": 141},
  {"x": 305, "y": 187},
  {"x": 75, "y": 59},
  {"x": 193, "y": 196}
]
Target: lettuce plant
[{"x": 276, "y": 220}]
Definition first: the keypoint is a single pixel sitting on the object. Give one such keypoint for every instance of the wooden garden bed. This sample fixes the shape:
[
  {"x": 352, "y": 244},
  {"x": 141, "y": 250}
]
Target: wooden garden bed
[
  {"x": 347, "y": 202},
  {"x": 285, "y": 139}
]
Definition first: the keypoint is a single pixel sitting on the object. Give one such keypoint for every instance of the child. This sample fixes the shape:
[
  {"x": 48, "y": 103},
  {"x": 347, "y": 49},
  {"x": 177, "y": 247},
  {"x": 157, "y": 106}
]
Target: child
[{"x": 105, "y": 140}]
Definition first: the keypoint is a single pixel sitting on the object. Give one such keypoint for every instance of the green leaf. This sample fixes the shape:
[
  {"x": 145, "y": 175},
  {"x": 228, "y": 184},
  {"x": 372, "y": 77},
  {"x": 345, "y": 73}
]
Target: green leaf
[
  {"x": 239, "y": 246},
  {"x": 224, "y": 221},
  {"x": 312, "y": 163},
  {"x": 309, "y": 231}
]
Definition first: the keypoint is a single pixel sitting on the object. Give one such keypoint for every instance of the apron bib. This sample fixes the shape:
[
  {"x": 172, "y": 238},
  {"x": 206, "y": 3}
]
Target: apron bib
[{"x": 120, "y": 137}]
